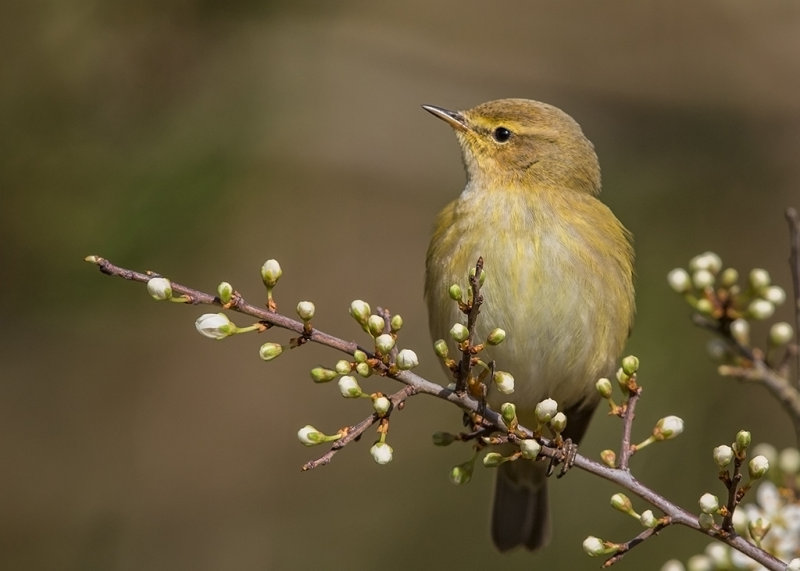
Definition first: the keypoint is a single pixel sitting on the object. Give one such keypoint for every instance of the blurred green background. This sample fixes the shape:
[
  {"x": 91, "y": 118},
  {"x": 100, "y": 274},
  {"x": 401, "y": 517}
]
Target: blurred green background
[{"x": 200, "y": 138}]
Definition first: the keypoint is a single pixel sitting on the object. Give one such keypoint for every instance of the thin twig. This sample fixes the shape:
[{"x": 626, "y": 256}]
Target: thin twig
[
  {"x": 633, "y": 542},
  {"x": 793, "y": 219},
  {"x": 626, "y": 449},
  {"x": 472, "y": 309}
]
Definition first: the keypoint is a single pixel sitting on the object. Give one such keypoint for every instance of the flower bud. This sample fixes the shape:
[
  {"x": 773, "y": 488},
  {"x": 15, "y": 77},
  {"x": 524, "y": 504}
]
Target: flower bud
[
  {"x": 706, "y": 261},
  {"x": 759, "y": 279},
  {"x": 647, "y": 519},
  {"x": 609, "y": 458},
  {"x": 709, "y": 503},
  {"x": 322, "y": 375},
  {"x": 603, "y": 387},
  {"x": 758, "y": 528},
  {"x": 441, "y": 349},
  {"x": 381, "y": 405},
  {"x": 546, "y": 410},
  {"x": 159, "y": 289},
  {"x": 530, "y": 448},
  {"x": 363, "y": 369},
  {"x": 504, "y": 382},
  {"x": 596, "y": 547},
  {"x": 384, "y": 343},
  {"x": 706, "y": 521},
  {"x": 359, "y": 356},
  {"x": 481, "y": 277},
  {"x": 509, "y": 412},
  {"x": 775, "y": 295},
  {"x": 443, "y": 438},
  {"x": 496, "y": 337},
  {"x": 306, "y": 309},
  {"x": 349, "y": 388},
  {"x": 757, "y": 467},
  {"x": 360, "y": 311},
  {"x": 743, "y": 440},
  {"x": 723, "y": 455},
  {"x": 381, "y": 452},
  {"x": 225, "y": 292},
  {"x": 679, "y": 280},
  {"x": 343, "y": 367},
  {"x": 702, "y": 279},
  {"x": 704, "y": 306},
  {"x": 630, "y": 365},
  {"x": 493, "y": 459},
  {"x": 622, "y": 503},
  {"x": 271, "y": 272},
  {"x": 269, "y": 351},
  {"x": 406, "y": 359},
  {"x": 559, "y": 422},
  {"x": 794, "y": 564},
  {"x": 728, "y": 277},
  {"x": 462, "y": 473},
  {"x": 376, "y": 325},
  {"x": 310, "y": 436},
  {"x": 214, "y": 325},
  {"x": 668, "y": 427},
  {"x": 740, "y": 331},
  {"x": 459, "y": 332},
  {"x": 396, "y": 323},
  {"x": 455, "y": 292},
  {"x": 780, "y": 334},
  {"x": 760, "y": 309}
]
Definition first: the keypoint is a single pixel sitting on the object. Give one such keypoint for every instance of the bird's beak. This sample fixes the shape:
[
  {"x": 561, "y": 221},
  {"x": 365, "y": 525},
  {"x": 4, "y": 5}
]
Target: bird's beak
[{"x": 455, "y": 119}]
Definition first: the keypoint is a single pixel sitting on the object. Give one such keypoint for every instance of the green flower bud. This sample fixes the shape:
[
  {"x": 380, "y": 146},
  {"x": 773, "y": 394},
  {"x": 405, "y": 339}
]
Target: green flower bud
[
  {"x": 269, "y": 351},
  {"x": 159, "y": 289},
  {"x": 381, "y": 452},
  {"x": 406, "y": 359},
  {"x": 343, "y": 367},
  {"x": 481, "y": 278},
  {"x": 622, "y": 503},
  {"x": 359, "y": 356},
  {"x": 728, "y": 277},
  {"x": 323, "y": 375},
  {"x": 493, "y": 459},
  {"x": 376, "y": 325},
  {"x": 559, "y": 422},
  {"x": 509, "y": 412},
  {"x": 455, "y": 292},
  {"x": 462, "y": 473},
  {"x": 706, "y": 521},
  {"x": 363, "y": 369},
  {"x": 743, "y": 440},
  {"x": 603, "y": 386},
  {"x": 704, "y": 306},
  {"x": 758, "y": 529},
  {"x": 271, "y": 272},
  {"x": 396, "y": 323},
  {"x": 381, "y": 405},
  {"x": 225, "y": 292},
  {"x": 306, "y": 309},
  {"x": 630, "y": 365},
  {"x": 440, "y": 348},
  {"x": 609, "y": 458},
  {"x": 459, "y": 332},
  {"x": 496, "y": 337}
]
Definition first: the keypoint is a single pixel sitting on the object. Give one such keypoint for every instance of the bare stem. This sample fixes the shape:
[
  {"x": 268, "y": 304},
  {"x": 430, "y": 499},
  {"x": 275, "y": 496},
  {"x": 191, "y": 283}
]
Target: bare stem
[{"x": 793, "y": 219}]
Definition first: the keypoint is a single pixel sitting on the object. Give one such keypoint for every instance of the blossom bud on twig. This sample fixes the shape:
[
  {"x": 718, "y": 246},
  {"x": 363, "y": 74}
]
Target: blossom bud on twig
[{"x": 159, "y": 289}]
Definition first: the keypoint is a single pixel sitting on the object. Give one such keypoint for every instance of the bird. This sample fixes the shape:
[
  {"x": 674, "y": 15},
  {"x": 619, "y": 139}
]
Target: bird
[{"x": 559, "y": 279}]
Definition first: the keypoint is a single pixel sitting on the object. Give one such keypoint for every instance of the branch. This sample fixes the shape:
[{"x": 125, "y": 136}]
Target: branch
[
  {"x": 488, "y": 418},
  {"x": 793, "y": 219}
]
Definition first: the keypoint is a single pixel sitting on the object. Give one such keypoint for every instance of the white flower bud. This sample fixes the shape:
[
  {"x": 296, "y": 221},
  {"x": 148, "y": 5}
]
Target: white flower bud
[
  {"x": 381, "y": 452},
  {"x": 159, "y": 289},
  {"x": 269, "y": 351},
  {"x": 702, "y": 279},
  {"x": 701, "y": 562},
  {"x": 740, "y": 331},
  {"x": 709, "y": 503},
  {"x": 504, "y": 382},
  {"x": 728, "y": 277},
  {"x": 706, "y": 261},
  {"x": 794, "y": 564},
  {"x": 743, "y": 439},
  {"x": 271, "y": 272},
  {"x": 647, "y": 519},
  {"x": 349, "y": 388},
  {"x": 596, "y": 547},
  {"x": 758, "y": 466},
  {"x": 622, "y": 503},
  {"x": 780, "y": 334},
  {"x": 360, "y": 311},
  {"x": 546, "y": 410},
  {"x": 761, "y": 309},
  {"x": 679, "y": 280},
  {"x": 381, "y": 405},
  {"x": 603, "y": 386},
  {"x": 672, "y": 564},
  {"x": 723, "y": 455},
  {"x": 775, "y": 295},
  {"x": 530, "y": 448},
  {"x": 310, "y": 436},
  {"x": 668, "y": 427},
  {"x": 384, "y": 343},
  {"x": 406, "y": 359},
  {"x": 343, "y": 367},
  {"x": 214, "y": 325},
  {"x": 559, "y": 422},
  {"x": 706, "y": 521},
  {"x": 459, "y": 332},
  {"x": 306, "y": 309}
]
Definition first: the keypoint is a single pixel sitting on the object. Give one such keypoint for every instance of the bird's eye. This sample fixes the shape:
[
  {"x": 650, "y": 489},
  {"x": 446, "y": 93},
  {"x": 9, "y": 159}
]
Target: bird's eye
[{"x": 501, "y": 134}]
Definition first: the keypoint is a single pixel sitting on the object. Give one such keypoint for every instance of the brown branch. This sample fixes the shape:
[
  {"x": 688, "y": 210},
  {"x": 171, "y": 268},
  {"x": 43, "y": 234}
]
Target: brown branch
[
  {"x": 626, "y": 448},
  {"x": 633, "y": 542},
  {"x": 488, "y": 417},
  {"x": 793, "y": 219},
  {"x": 472, "y": 309}
]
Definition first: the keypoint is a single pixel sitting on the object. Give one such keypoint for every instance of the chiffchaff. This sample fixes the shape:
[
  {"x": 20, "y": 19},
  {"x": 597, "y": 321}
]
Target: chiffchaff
[{"x": 559, "y": 278}]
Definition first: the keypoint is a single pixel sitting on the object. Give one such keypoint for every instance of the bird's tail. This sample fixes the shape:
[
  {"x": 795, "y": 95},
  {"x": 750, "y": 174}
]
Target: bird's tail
[{"x": 520, "y": 514}]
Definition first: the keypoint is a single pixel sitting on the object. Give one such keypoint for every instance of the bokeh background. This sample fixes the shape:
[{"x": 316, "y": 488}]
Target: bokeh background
[{"x": 200, "y": 138}]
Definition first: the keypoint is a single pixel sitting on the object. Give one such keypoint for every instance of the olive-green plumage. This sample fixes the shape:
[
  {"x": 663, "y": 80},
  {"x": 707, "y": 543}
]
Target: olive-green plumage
[{"x": 559, "y": 269}]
